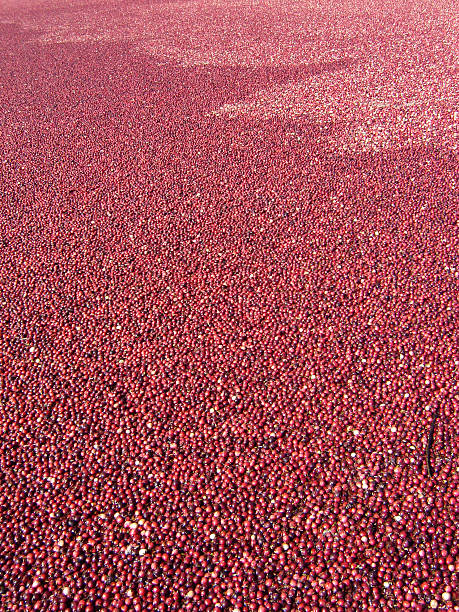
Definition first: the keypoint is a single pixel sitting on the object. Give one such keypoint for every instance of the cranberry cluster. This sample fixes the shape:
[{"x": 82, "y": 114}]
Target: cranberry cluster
[{"x": 228, "y": 359}]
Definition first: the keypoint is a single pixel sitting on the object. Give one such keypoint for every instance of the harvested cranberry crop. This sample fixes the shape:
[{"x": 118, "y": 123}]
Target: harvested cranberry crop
[{"x": 228, "y": 305}]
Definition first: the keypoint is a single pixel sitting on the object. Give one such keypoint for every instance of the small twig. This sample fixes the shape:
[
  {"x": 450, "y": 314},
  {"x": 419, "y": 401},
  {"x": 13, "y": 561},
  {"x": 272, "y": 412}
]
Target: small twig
[{"x": 430, "y": 441}]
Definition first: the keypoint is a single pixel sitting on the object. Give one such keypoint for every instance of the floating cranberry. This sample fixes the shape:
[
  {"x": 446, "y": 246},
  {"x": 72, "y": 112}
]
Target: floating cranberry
[{"x": 228, "y": 270}]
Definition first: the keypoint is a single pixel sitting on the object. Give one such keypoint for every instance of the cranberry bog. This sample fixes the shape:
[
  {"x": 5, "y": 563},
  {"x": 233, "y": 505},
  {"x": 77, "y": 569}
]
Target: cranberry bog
[{"x": 228, "y": 300}]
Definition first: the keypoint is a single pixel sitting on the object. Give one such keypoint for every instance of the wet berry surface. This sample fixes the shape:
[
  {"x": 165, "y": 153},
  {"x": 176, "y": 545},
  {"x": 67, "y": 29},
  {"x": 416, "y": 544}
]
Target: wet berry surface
[{"x": 228, "y": 305}]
